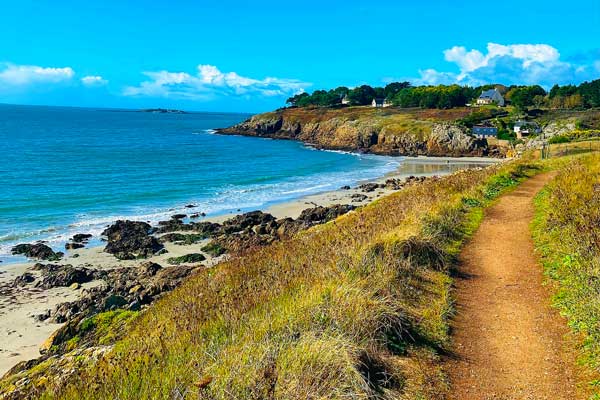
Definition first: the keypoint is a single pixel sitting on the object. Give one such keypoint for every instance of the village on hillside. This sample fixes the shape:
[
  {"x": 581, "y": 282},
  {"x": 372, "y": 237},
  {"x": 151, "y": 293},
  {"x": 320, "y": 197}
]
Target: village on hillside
[{"x": 509, "y": 115}]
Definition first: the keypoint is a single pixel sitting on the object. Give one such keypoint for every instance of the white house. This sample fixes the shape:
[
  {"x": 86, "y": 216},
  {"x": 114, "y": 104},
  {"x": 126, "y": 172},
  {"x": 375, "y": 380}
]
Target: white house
[
  {"x": 345, "y": 100},
  {"x": 380, "y": 102},
  {"x": 526, "y": 128},
  {"x": 491, "y": 96}
]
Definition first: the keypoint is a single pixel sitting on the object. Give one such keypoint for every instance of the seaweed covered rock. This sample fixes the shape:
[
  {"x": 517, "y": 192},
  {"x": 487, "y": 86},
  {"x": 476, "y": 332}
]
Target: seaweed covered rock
[
  {"x": 131, "y": 239},
  {"x": 37, "y": 250}
]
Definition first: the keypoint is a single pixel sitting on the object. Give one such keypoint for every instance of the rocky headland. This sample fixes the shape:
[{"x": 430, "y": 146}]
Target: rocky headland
[{"x": 389, "y": 131}]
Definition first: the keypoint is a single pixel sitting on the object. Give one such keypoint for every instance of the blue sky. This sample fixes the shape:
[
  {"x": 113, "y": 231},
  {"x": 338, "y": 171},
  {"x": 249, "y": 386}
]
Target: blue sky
[{"x": 250, "y": 56}]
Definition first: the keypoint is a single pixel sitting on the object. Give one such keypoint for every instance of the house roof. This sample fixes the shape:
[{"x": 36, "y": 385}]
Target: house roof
[
  {"x": 488, "y": 94},
  {"x": 519, "y": 124},
  {"x": 485, "y": 129},
  {"x": 379, "y": 100}
]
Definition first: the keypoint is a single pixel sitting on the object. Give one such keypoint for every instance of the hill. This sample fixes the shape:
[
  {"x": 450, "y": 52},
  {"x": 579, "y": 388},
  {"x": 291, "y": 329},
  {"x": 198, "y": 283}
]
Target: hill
[{"x": 387, "y": 131}]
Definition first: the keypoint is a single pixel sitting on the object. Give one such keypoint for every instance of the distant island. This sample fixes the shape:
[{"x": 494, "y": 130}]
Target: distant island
[{"x": 163, "y": 111}]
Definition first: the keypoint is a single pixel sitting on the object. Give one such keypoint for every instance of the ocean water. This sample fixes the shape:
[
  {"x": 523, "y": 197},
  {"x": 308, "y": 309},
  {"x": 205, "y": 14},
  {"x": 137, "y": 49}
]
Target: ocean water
[{"x": 72, "y": 170}]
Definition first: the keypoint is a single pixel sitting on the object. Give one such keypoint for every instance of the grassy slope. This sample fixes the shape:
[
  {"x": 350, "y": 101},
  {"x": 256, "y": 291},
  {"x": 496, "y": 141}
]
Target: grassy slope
[
  {"x": 356, "y": 308},
  {"x": 567, "y": 235}
]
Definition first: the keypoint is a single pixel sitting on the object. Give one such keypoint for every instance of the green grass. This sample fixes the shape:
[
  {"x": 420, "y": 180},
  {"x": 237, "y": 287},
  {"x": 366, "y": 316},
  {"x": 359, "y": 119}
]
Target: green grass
[
  {"x": 566, "y": 231},
  {"x": 356, "y": 308}
]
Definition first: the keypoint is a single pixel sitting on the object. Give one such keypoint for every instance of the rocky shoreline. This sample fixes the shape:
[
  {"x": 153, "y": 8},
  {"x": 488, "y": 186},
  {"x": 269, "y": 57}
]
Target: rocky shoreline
[
  {"x": 55, "y": 298},
  {"x": 97, "y": 288},
  {"x": 371, "y": 131}
]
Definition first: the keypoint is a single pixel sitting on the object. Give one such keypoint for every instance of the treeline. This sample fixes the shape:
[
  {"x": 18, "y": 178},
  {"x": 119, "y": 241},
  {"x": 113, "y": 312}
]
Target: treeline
[
  {"x": 585, "y": 95},
  {"x": 403, "y": 94}
]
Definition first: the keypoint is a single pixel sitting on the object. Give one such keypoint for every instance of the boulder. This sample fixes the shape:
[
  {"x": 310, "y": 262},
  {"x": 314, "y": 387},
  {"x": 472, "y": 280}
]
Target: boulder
[
  {"x": 66, "y": 276},
  {"x": 320, "y": 214},
  {"x": 24, "y": 279},
  {"x": 149, "y": 268},
  {"x": 73, "y": 246},
  {"x": 81, "y": 237},
  {"x": 37, "y": 250},
  {"x": 247, "y": 220},
  {"x": 369, "y": 187},
  {"x": 358, "y": 197},
  {"x": 131, "y": 239}
]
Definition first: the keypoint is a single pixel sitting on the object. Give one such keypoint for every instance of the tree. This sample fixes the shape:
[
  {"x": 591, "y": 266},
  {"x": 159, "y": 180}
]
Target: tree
[
  {"x": 361, "y": 95},
  {"x": 393, "y": 88}
]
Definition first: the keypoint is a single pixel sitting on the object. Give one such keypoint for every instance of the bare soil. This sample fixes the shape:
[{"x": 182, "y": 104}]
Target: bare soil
[{"x": 508, "y": 342}]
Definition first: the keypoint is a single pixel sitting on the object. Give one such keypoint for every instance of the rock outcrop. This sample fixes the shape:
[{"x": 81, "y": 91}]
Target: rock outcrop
[
  {"x": 131, "y": 239},
  {"x": 389, "y": 132},
  {"x": 37, "y": 250}
]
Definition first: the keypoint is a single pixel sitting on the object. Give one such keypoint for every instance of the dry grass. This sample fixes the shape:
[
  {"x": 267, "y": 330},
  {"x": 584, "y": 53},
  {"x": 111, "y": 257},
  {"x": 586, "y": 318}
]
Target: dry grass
[
  {"x": 567, "y": 236},
  {"x": 356, "y": 308}
]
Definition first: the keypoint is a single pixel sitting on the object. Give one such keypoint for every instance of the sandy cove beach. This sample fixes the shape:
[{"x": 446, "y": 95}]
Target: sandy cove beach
[{"x": 21, "y": 333}]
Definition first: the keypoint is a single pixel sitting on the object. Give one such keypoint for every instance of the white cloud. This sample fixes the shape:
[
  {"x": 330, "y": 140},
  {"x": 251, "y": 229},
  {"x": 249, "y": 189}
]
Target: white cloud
[
  {"x": 510, "y": 64},
  {"x": 93, "y": 80},
  {"x": 22, "y": 75},
  {"x": 208, "y": 82}
]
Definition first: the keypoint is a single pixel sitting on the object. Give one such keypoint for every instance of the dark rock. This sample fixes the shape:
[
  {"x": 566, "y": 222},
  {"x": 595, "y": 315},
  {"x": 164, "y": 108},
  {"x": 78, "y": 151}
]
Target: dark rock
[
  {"x": 209, "y": 229},
  {"x": 66, "y": 276},
  {"x": 73, "y": 246},
  {"x": 43, "y": 316},
  {"x": 194, "y": 216},
  {"x": 358, "y": 197},
  {"x": 130, "y": 239},
  {"x": 81, "y": 237},
  {"x": 113, "y": 302},
  {"x": 321, "y": 214},
  {"x": 288, "y": 227},
  {"x": 173, "y": 225},
  {"x": 24, "y": 279},
  {"x": 369, "y": 187},
  {"x": 37, "y": 250},
  {"x": 345, "y": 187},
  {"x": 247, "y": 220},
  {"x": 178, "y": 216},
  {"x": 191, "y": 206},
  {"x": 149, "y": 268}
]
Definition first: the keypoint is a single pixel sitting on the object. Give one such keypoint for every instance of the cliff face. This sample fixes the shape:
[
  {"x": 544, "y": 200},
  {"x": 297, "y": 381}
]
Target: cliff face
[{"x": 378, "y": 131}]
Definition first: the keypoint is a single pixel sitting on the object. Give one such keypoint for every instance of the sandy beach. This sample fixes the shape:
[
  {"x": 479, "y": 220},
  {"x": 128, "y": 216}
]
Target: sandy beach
[{"x": 21, "y": 333}]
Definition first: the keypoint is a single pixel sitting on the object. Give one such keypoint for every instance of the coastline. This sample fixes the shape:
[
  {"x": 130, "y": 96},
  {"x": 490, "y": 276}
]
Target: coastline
[{"x": 22, "y": 334}]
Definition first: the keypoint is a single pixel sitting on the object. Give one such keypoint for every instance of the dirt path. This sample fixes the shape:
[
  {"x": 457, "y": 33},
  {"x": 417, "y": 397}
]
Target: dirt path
[{"x": 508, "y": 342}]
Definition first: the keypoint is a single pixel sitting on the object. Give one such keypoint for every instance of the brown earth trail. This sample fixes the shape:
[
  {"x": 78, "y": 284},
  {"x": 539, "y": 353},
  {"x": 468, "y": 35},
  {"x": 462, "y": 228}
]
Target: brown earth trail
[{"x": 508, "y": 342}]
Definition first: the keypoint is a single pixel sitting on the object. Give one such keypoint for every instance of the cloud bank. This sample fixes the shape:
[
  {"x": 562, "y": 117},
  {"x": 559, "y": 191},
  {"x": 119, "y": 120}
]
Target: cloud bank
[
  {"x": 209, "y": 82},
  {"x": 511, "y": 64},
  {"x": 24, "y": 75}
]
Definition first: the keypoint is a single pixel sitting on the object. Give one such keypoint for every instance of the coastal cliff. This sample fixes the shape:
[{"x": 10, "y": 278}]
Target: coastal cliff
[{"x": 409, "y": 132}]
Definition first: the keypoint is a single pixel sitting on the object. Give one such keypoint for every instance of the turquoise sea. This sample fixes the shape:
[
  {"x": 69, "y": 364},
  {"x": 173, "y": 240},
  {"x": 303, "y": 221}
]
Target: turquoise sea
[{"x": 74, "y": 170}]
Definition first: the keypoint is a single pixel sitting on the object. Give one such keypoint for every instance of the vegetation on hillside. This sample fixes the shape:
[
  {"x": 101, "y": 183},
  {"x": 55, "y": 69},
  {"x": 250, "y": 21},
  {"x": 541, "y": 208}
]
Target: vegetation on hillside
[
  {"x": 405, "y": 95},
  {"x": 356, "y": 308},
  {"x": 568, "y": 239}
]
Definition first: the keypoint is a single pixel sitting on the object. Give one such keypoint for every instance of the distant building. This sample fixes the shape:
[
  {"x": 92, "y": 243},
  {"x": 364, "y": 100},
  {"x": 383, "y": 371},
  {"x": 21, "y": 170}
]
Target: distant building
[
  {"x": 526, "y": 128},
  {"x": 345, "y": 100},
  {"x": 491, "y": 96},
  {"x": 380, "y": 102},
  {"x": 483, "y": 132}
]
